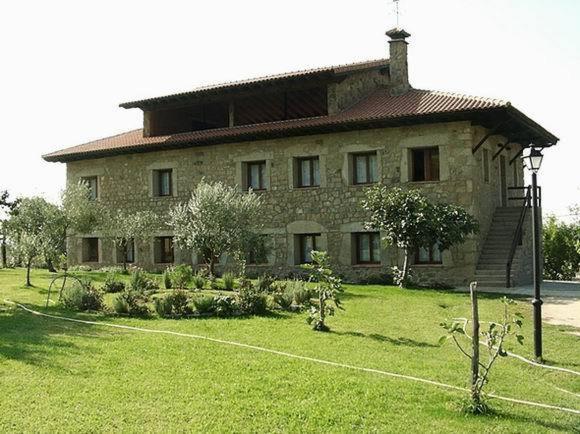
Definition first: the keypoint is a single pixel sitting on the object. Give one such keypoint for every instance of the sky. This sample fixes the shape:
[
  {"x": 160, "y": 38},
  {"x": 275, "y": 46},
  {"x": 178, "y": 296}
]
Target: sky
[{"x": 66, "y": 65}]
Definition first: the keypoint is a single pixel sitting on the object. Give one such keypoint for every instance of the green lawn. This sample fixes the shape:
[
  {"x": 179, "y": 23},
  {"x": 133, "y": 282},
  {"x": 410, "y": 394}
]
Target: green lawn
[{"x": 63, "y": 376}]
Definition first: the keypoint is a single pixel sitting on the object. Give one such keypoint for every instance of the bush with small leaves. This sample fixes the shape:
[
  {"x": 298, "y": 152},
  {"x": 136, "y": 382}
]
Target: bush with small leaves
[
  {"x": 176, "y": 304},
  {"x": 229, "y": 281},
  {"x": 198, "y": 280},
  {"x": 284, "y": 298},
  {"x": 167, "y": 279},
  {"x": 264, "y": 283},
  {"x": 113, "y": 283},
  {"x": 302, "y": 294},
  {"x": 204, "y": 304},
  {"x": 225, "y": 305},
  {"x": 142, "y": 283},
  {"x": 181, "y": 276},
  {"x": 113, "y": 269},
  {"x": 83, "y": 296},
  {"x": 131, "y": 303},
  {"x": 252, "y": 300},
  {"x": 80, "y": 268}
]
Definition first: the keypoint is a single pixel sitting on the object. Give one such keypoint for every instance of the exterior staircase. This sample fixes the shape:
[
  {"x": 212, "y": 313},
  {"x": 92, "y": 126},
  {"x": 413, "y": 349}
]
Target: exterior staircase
[{"x": 491, "y": 267}]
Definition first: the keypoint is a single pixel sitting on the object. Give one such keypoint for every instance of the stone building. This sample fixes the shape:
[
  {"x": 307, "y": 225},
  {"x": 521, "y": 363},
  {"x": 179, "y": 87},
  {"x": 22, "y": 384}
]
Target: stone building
[{"x": 311, "y": 142}]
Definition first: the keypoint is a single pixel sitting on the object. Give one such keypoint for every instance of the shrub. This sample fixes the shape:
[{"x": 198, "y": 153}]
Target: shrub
[
  {"x": 198, "y": 281},
  {"x": 251, "y": 300},
  {"x": 141, "y": 282},
  {"x": 82, "y": 296},
  {"x": 229, "y": 281},
  {"x": 181, "y": 276},
  {"x": 204, "y": 304},
  {"x": 113, "y": 283},
  {"x": 264, "y": 283},
  {"x": 175, "y": 304},
  {"x": 166, "y": 279},
  {"x": 225, "y": 305},
  {"x": 81, "y": 268},
  {"x": 302, "y": 294},
  {"x": 131, "y": 303},
  {"x": 114, "y": 270},
  {"x": 284, "y": 299},
  {"x": 561, "y": 249}
]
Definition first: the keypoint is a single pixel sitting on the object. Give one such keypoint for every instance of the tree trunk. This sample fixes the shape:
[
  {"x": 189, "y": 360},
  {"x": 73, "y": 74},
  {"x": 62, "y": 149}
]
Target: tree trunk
[
  {"x": 321, "y": 325},
  {"x": 28, "y": 265},
  {"x": 403, "y": 281},
  {"x": 50, "y": 266},
  {"x": 3, "y": 253},
  {"x": 475, "y": 390},
  {"x": 125, "y": 251}
]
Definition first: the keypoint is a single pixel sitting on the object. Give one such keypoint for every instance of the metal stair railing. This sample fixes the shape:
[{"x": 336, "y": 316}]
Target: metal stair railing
[{"x": 518, "y": 232}]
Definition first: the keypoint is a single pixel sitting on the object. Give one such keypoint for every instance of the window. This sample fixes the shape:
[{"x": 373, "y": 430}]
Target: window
[
  {"x": 364, "y": 168},
  {"x": 130, "y": 257},
  {"x": 308, "y": 172},
  {"x": 256, "y": 175},
  {"x": 258, "y": 253},
  {"x": 428, "y": 255},
  {"x": 485, "y": 165},
  {"x": 368, "y": 248},
  {"x": 163, "y": 250},
  {"x": 163, "y": 182},
  {"x": 307, "y": 243},
  {"x": 93, "y": 185},
  {"x": 516, "y": 177},
  {"x": 425, "y": 164},
  {"x": 90, "y": 250}
]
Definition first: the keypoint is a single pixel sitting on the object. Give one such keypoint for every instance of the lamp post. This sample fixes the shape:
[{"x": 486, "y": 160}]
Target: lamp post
[{"x": 533, "y": 161}]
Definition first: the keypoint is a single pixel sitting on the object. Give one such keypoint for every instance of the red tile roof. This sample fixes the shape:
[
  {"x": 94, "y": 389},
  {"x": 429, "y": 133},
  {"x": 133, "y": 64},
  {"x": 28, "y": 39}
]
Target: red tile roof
[
  {"x": 269, "y": 79},
  {"x": 379, "y": 108}
]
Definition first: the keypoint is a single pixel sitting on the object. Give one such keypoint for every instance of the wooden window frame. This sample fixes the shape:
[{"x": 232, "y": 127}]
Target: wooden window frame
[
  {"x": 357, "y": 238},
  {"x": 302, "y": 244},
  {"x": 162, "y": 257},
  {"x": 87, "y": 181},
  {"x": 431, "y": 261},
  {"x": 159, "y": 177},
  {"x": 367, "y": 157},
  {"x": 299, "y": 179},
  {"x": 261, "y": 175},
  {"x": 427, "y": 157}
]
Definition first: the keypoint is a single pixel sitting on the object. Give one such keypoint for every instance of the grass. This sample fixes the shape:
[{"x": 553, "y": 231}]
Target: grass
[{"x": 62, "y": 376}]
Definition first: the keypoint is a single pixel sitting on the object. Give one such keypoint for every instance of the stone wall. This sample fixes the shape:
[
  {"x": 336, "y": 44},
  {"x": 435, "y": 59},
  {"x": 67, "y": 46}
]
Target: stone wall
[{"x": 333, "y": 209}]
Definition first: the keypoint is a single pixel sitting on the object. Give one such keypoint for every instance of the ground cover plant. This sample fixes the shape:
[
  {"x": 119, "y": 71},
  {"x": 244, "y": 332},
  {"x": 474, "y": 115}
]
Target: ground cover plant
[{"x": 63, "y": 376}]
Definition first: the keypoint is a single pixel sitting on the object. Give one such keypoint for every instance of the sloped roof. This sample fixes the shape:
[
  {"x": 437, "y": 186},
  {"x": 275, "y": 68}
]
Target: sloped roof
[
  {"x": 328, "y": 71},
  {"x": 380, "y": 108}
]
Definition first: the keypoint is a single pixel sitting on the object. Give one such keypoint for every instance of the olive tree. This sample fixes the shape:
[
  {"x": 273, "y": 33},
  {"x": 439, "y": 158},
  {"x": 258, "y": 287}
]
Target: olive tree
[
  {"x": 216, "y": 220},
  {"x": 561, "y": 248},
  {"x": 408, "y": 220},
  {"x": 125, "y": 227},
  {"x": 6, "y": 205}
]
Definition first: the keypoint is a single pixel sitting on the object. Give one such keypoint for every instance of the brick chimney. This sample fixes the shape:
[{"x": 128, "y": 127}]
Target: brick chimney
[{"x": 398, "y": 68}]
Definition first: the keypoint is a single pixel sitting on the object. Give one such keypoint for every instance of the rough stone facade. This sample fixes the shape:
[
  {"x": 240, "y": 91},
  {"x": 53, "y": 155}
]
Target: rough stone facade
[{"x": 332, "y": 209}]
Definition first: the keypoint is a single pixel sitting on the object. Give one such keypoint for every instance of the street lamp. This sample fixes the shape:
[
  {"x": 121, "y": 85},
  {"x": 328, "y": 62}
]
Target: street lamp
[{"x": 533, "y": 161}]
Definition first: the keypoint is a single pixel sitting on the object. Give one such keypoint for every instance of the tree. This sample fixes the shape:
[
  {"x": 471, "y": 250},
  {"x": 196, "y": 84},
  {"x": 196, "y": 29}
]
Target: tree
[
  {"x": 126, "y": 227},
  {"x": 561, "y": 247},
  {"x": 6, "y": 205},
  {"x": 328, "y": 287},
  {"x": 30, "y": 223},
  {"x": 410, "y": 221},
  {"x": 216, "y": 220},
  {"x": 494, "y": 337}
]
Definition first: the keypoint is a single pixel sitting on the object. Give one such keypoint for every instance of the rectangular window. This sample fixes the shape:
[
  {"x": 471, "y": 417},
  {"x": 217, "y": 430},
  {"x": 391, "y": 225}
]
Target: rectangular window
[
  {"x": 90, "y": 250},
  {"x": 368, "y": 248},
  {"x": 364, "y": 168},
  {"x": 256, "y": 175},
  {"x": 130, "y": 258},
  {"x": 163, "y": 182},
  {"x": 425, "y": 164},
  {"x": 307, "y": 243},
  {"x": 93, "y": 185},
  {"x": 258, "y": 253},
  {"x": 485, "y": 165},
  {"x": 428, "y": 255},
  {"x": 163, "y": 250},
  {"x": 516, "y": 177},
  {"x": 308, "y": 172}
]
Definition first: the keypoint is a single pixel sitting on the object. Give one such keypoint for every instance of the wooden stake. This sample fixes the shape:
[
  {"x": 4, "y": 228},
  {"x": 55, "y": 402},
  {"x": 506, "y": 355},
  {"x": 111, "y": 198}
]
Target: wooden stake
[{"x": 475, "y": 344}]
